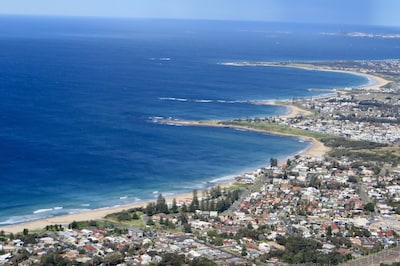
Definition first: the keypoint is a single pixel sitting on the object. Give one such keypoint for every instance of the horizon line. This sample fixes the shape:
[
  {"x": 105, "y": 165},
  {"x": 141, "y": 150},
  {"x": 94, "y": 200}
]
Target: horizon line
[{"x": 189, "y": 19}]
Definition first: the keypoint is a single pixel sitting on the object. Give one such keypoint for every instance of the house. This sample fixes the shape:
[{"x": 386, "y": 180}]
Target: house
[
  {"x": 200, "y": 224},
  {"x": 135, "y": 233},
  {"x": 4, "y": 258},
  {"x": 213, "y": 214},
  {"x": 335, "y": 228}
]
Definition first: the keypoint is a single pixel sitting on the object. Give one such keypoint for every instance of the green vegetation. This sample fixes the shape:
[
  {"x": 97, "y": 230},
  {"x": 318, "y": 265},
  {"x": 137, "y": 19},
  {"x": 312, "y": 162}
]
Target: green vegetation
[
  {"x": 393, "y": 264},
  {"x": 364, "y": 151},
  {"x": 194, "y": 205},
  {"x": 214, "y": 199},
  {"x": 175, "y": 259},
  {"x": 218, "y": 201},
  {"x": 369, "y": 207},
  {"x": 274, "y": 128},
  {"x": 301, "y": 250},
  {"x": 54, "y": 258},
  {"x": 160, "y": 206},
  {"x": 273, "y": 162},
  {"x": 341, "y": 147},
  {"x": 174, "y": 208},
  {"x": 83, "y": 224},
  {"x": 53, "y": 227},
  {"x": 22, "y": 256},
  {"x": 343, "y": 143},
  {"x": 368, "y": 155},
  {"x": 118, "y": 227}
]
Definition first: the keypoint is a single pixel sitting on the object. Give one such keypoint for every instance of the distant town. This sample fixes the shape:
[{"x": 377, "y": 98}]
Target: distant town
[{"x": 342, "y": 207}]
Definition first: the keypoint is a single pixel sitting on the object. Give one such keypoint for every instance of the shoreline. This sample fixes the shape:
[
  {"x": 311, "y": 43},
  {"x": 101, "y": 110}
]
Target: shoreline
[
  {"x": 96, "y": 214},
  {"x": 377, "y": 82},
  {"x": 315, "y": 149},
  {"x": 293, "y": 110}
]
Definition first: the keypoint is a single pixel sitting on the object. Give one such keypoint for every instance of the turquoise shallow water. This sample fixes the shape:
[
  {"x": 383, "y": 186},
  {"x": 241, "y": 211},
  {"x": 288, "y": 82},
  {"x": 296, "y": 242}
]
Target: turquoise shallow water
[{"x": 78, "y": 96}]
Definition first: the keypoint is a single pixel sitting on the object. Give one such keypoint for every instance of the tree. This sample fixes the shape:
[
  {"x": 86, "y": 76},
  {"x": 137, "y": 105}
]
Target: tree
[
  {"x": 73, "y": 225},
  {"x": 273, "y": 162},
  {"x": 329, "y": 232},
  {"x": 54, "y": 258},
  {"x": 203, "y": 205},
  {"x": 124, "y": 216},
  {"x": 184, "y": 208},
  {"x": 216, "y": 192},
  {"x": 183, "y": 218},
  {"x": 222, "y": 205},
  {"x": 151, "y": 209},
  {"x": 19, "y": 257},
  {"x": 174, "y": 208},
  {"x": 114, "y": 258},
  {"x": 167, "y": 223},
  {"x": 97, "y": 260},
  {"x": 244, "y": 251},
  {"x": 172, "y": 259},
  {"x": 212, "y": 205},
  {"x": 370, "y": 207},
  {"x": 376, "y": 169},
  {"x": 187, "y": 228},
  {"x": 299, "y": 250},
  {"x": 250, "y": 226},
  {"x": 202, "y": 261},
  {"x": 25, "y": 232},
  {"x": 194, "y": 205},
  {"x": 135, "y": 216},
  {"x": 352, "y": 179},
  {"x": 161, "y": 205}
]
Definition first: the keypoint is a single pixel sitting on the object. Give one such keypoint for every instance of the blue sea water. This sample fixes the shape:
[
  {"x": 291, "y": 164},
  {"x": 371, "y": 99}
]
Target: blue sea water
[{"x": 78, "y": 95}]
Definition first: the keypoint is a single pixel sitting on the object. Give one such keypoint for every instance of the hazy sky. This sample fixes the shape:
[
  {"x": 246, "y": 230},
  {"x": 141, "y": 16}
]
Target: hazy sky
[{"x": 377, "y": 12}]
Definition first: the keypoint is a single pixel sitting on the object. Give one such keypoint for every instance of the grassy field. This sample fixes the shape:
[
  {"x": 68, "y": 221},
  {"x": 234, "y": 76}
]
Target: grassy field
[{"x": 276, "y": 128}]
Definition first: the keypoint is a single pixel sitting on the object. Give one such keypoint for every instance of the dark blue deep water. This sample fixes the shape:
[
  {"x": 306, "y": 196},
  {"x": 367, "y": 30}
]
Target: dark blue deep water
[{"x": 77, "y": 95}]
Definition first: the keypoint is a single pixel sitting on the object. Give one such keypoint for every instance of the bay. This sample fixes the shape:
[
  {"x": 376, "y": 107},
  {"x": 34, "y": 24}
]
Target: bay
[{"x": 78, "y": 95}]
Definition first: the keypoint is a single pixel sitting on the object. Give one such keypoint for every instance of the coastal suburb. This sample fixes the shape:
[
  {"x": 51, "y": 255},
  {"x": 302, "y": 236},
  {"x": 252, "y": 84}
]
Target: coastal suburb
[{"x": 338, "y": 202}]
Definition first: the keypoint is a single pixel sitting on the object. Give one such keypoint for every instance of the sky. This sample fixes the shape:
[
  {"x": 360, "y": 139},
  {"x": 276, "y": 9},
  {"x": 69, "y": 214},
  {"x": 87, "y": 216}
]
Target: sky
[{"x": 364, "y": 12}]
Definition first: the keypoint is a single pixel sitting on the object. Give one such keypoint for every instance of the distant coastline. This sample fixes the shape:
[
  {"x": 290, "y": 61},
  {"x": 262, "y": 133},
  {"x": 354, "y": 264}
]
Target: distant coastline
[
  {"x": 375, "y": 81},
  {"x": 316, "y": 149}
]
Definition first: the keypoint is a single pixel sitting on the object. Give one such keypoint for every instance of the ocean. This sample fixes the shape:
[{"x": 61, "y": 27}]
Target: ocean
[{"x": 78, "y": 96}]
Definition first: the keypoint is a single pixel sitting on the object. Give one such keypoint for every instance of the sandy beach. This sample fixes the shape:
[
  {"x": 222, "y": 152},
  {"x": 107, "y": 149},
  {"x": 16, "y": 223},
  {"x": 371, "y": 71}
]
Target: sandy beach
[
  {"x": 293, "y": 110},
  {"x": 316, "y": 149},
  {"x": 376, "y": 82},
  {"x": 97, "y": 214}
]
